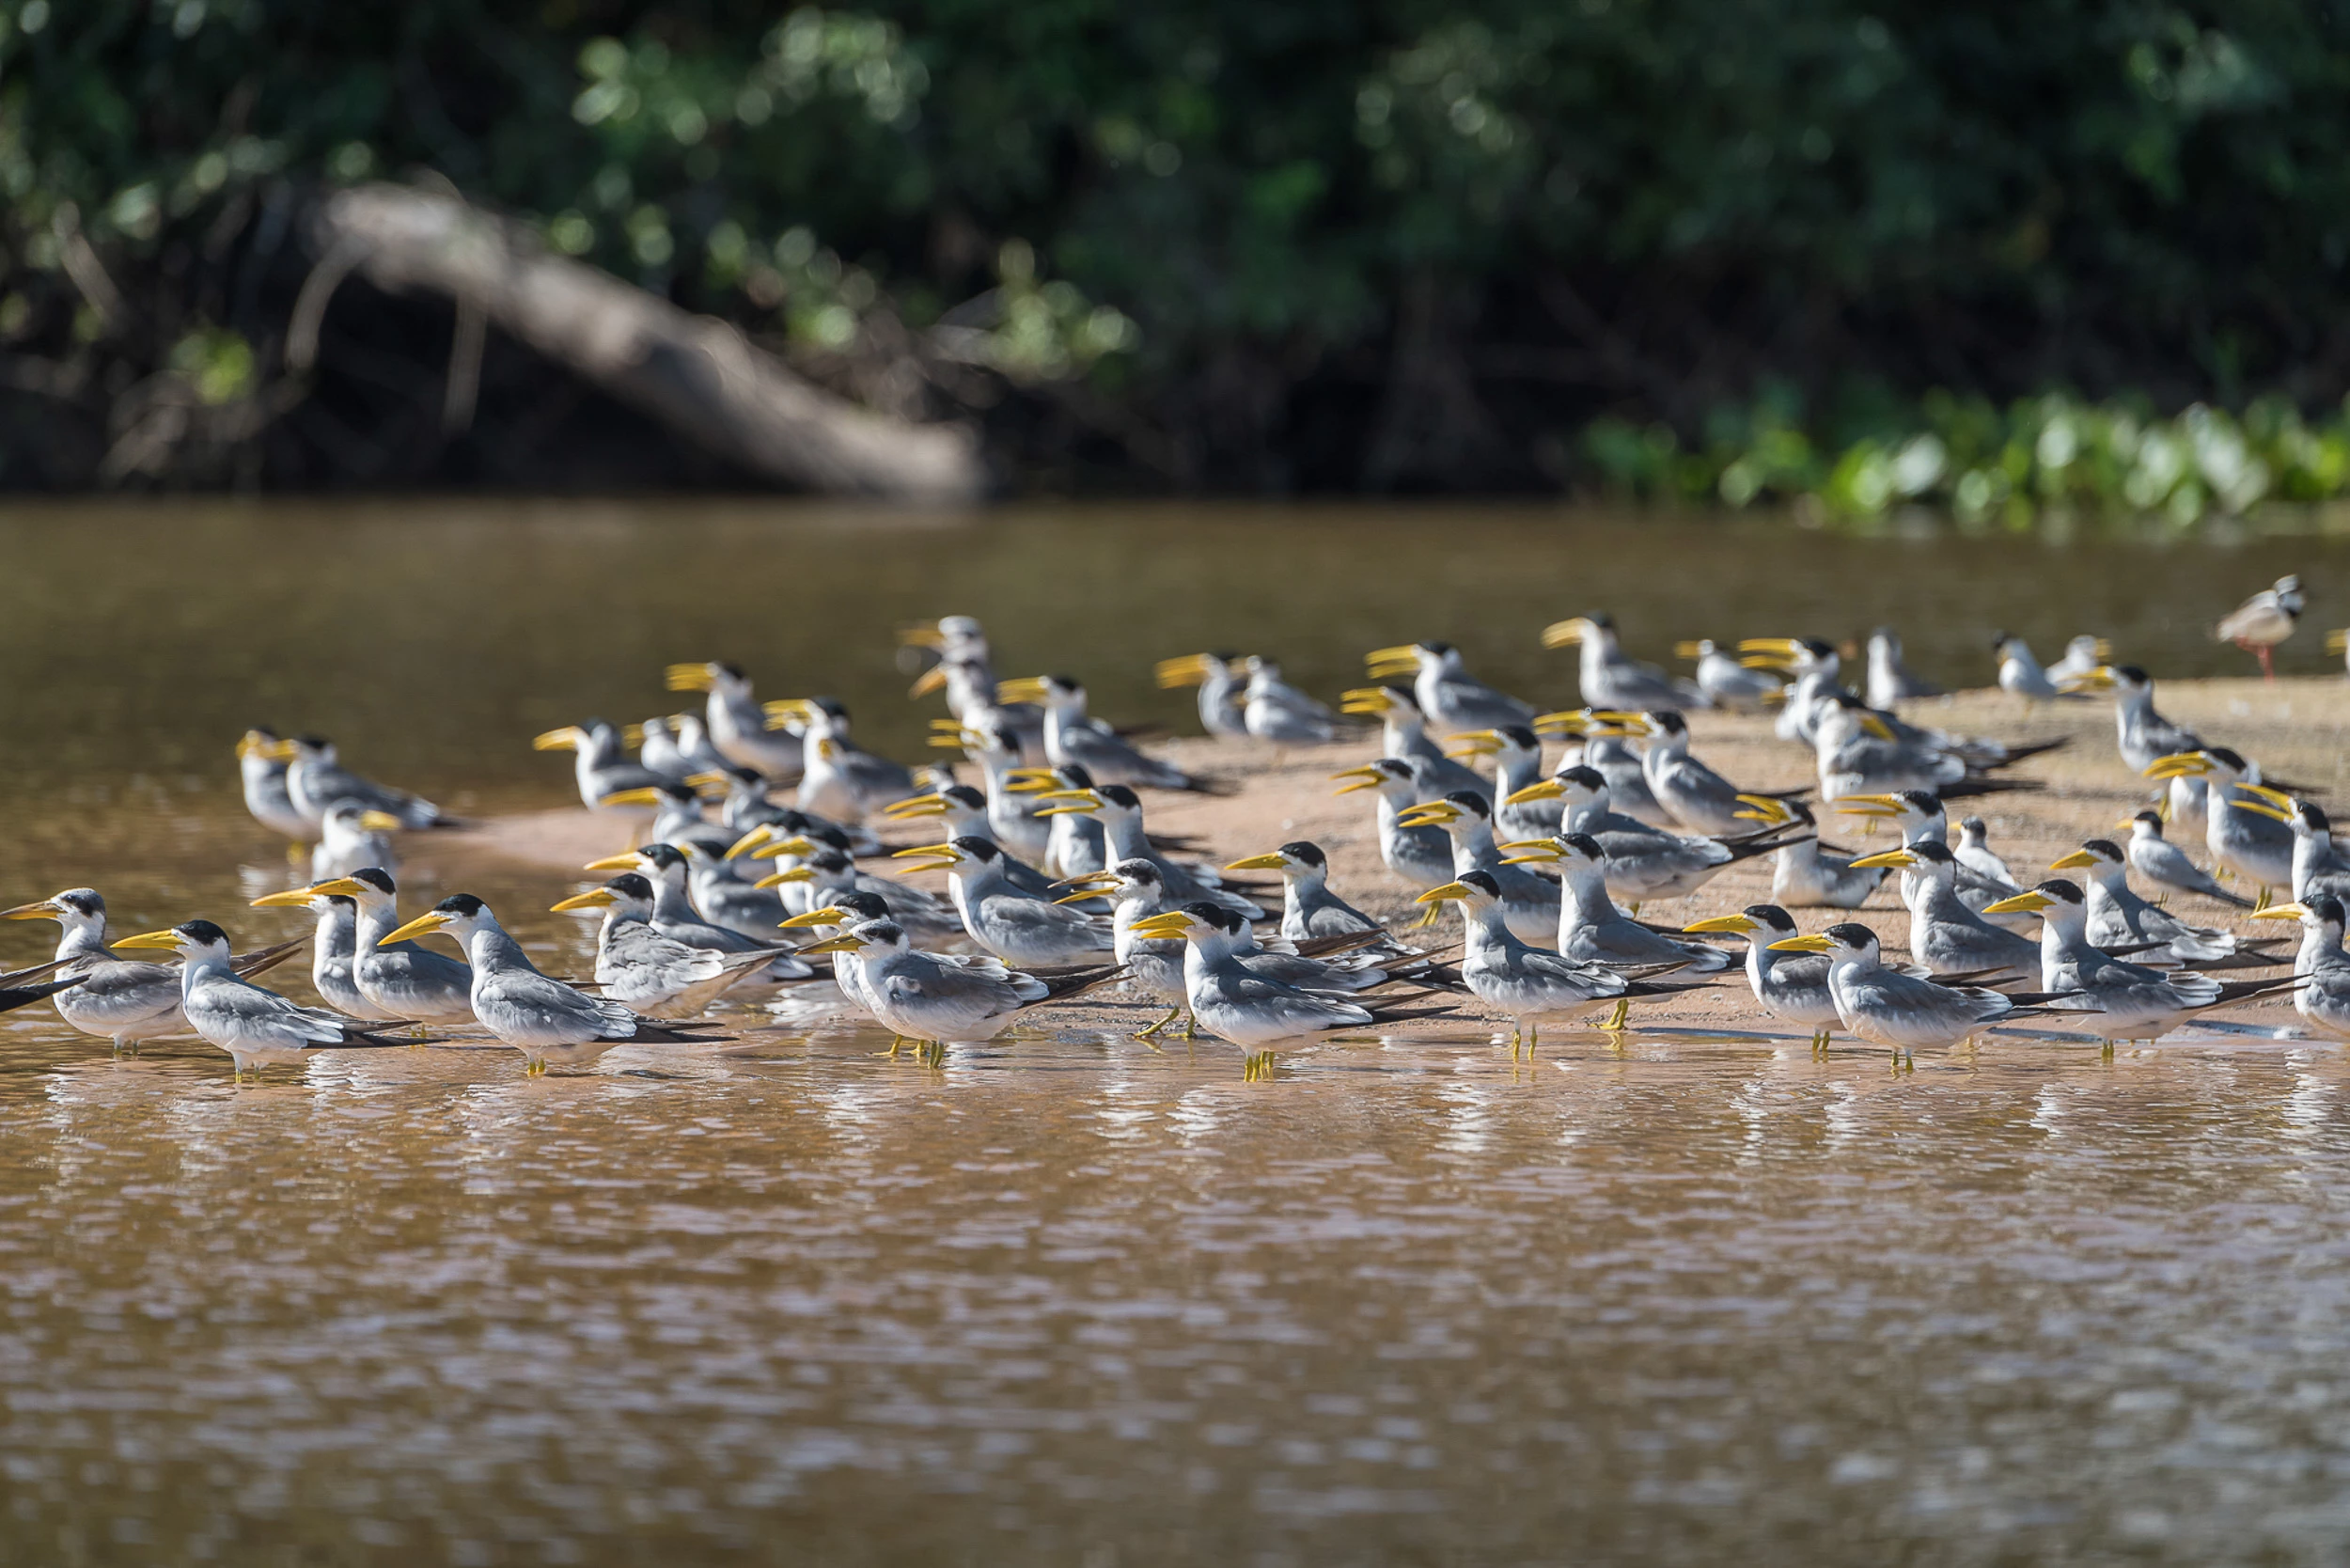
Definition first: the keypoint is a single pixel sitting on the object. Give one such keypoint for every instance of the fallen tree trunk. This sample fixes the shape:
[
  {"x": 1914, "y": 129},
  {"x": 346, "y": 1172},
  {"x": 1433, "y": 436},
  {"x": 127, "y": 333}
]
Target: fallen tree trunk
[{"x": 695, "y": 374}]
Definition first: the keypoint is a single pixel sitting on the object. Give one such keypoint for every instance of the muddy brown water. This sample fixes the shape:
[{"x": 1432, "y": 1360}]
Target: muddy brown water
[{"x": 1065, "y": 1301}]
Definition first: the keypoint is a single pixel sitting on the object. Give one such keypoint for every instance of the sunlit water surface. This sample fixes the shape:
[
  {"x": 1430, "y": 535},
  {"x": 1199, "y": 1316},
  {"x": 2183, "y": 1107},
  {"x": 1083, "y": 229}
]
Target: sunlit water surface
[{"x": 1065, "y": 1300}]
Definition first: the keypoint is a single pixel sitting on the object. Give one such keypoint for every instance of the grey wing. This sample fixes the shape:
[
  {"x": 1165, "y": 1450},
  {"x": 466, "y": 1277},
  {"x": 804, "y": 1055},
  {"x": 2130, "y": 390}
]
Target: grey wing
[
  {"x": 251, "y": 1013},
  {"x": 1599, "y": 981},
  {"x": 1293, "y": 1008},
  {"x": 1052, "y": 922},
  {"x": 128, "y": 992}
]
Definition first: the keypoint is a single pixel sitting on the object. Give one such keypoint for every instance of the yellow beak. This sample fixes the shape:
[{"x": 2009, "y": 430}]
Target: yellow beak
[
  {"x": 294, "y": 898},
  {"x": 2279, "y": 911},
  {"x": 1449, "y": 890},
  {"x": 349, "y": 885},
  {"x": 2079, "y": 858},
  {"x": 647, "y": 795},
  {"x": 570, "y": 738},
  {"x": 1364, "y": 777},
  {"x": 916, "y": 806},
  {"x": 920, "y": 636},
  {"x": 595, "y": 898},
  {"x": 748, "y": 843},
  {"x": 1541, "y": 789},
  {"x": 1271, "y": 860},
  {"x": 164, "y": 939},
  {"x": 1539, "y": 852},
  {"x": 2025, "y": 903},
  {"x": 1869, "y": 806},
  {"x": 615, "y": 863},
  {"x": 776, "y": 879},
  {"x": 42, "y": 911},
  {"x": 936, "y": 856},
  {"x": 1688, "y": 651},
  {"x": 1765, "y": 810},
  {"x": 2338, "y": 642},
  {"x": 423, "y": 925},
  {"x": 1383, "y": 664},
  {"x": 1189, "y": 671},
  {"x": 2274, "y": 796},
  {"x": 1743, "y": 924},
  {"x": 930, "y": 680},
  {"x": 1803, "y": 945},
  {"x": 1160, "y": 927},
  {"x": 1567, "y": 721},
  {"x": 690, "y": 678},
  {"x": 828, "y": 915},
  {"x": 1477, "y": 743},
  {"x": 1025, "y": 688},
  {"x": 1559, "y": 633},
  {"x": 1877, "y": 726},
  {"x": 2098, "y": 680},
  {"x": 2177, "y": 765},
  {"x": 379, "y": 821},
  {"x": 845, "y": 943},
  {"x": 1901, "y": 857},
  {"x": 1430, "y": 813}
]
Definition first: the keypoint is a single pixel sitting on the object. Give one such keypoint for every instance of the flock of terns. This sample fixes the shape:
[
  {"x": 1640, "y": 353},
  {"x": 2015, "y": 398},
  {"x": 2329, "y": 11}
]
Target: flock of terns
[{"x": 1055, "y": 886}]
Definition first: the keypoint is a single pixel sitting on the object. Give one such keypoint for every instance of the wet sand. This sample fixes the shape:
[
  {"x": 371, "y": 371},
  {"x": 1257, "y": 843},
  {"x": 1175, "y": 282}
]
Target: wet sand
[{"x": 2297, "y": 729}]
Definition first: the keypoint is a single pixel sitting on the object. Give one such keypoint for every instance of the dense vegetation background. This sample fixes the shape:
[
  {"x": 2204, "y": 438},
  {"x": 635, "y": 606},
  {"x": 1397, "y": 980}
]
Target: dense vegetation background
[{"x": 1727, "y": 246}]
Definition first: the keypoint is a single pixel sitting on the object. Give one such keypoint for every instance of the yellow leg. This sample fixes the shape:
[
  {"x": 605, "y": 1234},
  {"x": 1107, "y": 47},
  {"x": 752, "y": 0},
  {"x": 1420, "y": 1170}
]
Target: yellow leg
[
  {"x": 1172, "y": 1013},
  {"x": 1616, "y": 1019},
  {"x": 2261, "y": 899},
  {"x": 1435, "y": 913}
]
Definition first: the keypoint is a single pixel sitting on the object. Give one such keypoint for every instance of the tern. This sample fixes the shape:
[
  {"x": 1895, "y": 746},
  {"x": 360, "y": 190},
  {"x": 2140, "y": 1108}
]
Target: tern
[
  {"x": 736, "y": 724},
  {"x": 256, "y": 1026},
  {"x": 1890, "y": 682},
  {"x": 1450, "y": 699},
  {"x": 1223, "y": 710},
  {"x": 262, "y": 760},
  {"x": 1420, "y": 856},
  {"x": 1611, "y": 678},
  {"x": 655, "y": 975},
  {"x": 2118, "y": 1000},
  {"x": 1019, "y": 928},
  {"x": 2157, "y": 859},
  {"x": 316, "y": 780},
  {"x": 1726, "y": 682},
  {"x": 1526, "y": 984},
  {"x": 929, "y": 999},
  {"x": 1229, "y": 1000},
  {"x": 1887, "y": 1007},
  {"x": 2323, "y": 998},
  {"x": 551, "y": 1024}
]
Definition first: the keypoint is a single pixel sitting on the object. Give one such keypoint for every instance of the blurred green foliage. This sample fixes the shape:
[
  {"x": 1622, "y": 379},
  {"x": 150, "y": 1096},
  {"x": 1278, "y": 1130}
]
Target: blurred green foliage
[
  {"x": 1987, "y": 464},
  {"x": 1618, "y": 217}
]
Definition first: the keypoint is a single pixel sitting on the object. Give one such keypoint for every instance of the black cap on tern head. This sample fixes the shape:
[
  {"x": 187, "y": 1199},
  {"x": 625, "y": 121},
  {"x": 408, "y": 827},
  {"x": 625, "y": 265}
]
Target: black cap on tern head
[
  {"x": 1851, "y": 933},
  {"x": 464, "y": 906},
  {"x": 864, "y": 906},
  {"x": 1484, "y": 882},
  {"x": 1589, "y": 777},
  {"x": 203, "y": 932},
  {"x": 1770, "y": 917},
  {"x": 632, "y": 884},
  {"x": 1119, "y": 796},
  {"x": 981, "y": 850},
  {"x": 1226, "y": 920},
  {"x": 1305, "y": 852},
  {"x": 377, "y": 878}
]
